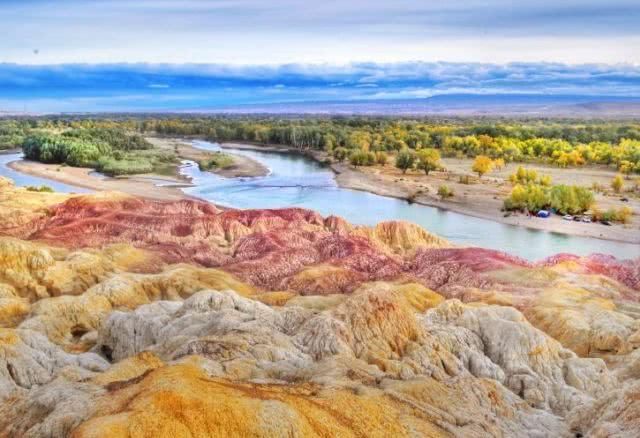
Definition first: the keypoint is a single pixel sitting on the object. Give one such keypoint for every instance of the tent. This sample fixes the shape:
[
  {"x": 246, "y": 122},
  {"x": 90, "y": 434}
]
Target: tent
[{"x": 543, "y": 213}]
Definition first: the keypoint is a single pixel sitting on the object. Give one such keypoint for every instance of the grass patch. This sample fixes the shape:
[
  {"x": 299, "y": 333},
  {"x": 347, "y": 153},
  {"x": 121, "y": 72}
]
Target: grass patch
[
  {"x": 217, "y": 161},
  {"x": 41, "y": 189},
  {"x": 137, "y": 162}
]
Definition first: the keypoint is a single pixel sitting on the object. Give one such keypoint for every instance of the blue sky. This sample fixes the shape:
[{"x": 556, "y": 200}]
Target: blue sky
[{"x": 67, "y": 55}]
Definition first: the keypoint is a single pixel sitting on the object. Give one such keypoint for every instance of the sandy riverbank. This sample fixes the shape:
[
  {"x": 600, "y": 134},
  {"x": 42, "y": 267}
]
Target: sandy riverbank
[
  {"x": 149, "y": 186},
  {"x": 482, "y": 199},
  {"x": 141, "y": 185}
]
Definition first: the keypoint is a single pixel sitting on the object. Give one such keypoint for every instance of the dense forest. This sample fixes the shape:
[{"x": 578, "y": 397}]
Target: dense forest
[{"x": 560, "y": 142}]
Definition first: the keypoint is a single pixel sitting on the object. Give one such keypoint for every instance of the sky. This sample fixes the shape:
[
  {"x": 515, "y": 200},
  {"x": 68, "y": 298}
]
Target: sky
[{"x": 164, "y": 54}]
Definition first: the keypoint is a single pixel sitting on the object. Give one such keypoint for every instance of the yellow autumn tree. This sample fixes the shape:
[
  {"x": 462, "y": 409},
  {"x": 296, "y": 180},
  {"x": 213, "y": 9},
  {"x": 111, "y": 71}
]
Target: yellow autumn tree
[{"x": 482, "y": 165}]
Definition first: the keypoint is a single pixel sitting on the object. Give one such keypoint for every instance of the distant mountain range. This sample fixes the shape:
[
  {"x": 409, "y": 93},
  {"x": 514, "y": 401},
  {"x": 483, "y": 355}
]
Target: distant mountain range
[
  {"x": 508, "y": 105},
  {"x": 459, "y": 104}
]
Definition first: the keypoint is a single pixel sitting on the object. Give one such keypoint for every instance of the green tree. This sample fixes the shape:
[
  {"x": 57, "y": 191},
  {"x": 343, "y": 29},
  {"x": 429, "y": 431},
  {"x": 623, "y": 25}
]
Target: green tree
[
  {"x": 571, "y": 199},
  {"x": 405, "y": 159},
  {"x": 340, "y": 153}
]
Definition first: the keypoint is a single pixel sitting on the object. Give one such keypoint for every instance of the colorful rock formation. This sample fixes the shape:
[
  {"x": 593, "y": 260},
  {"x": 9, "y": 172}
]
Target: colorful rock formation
[{"x": 128, "y": 317}]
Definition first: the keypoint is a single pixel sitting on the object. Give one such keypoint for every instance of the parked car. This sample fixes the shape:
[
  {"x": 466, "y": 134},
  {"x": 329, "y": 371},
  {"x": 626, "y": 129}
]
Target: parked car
[
  {"x": 567, "y": 217},
  {"x": 577, "y": 218},
  {"x": 586, "y": 219},
  {"x": 624, "y": 199},
  {"x": 607, "y": 223},
  {"x": 543, "y": 213}
]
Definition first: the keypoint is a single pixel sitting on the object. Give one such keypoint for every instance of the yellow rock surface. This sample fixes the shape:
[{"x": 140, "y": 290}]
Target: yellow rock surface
[
  {"x": 181, "y": 400},
  {"x": 400, "y": 237},
  {"x": 583, "y": 322}
]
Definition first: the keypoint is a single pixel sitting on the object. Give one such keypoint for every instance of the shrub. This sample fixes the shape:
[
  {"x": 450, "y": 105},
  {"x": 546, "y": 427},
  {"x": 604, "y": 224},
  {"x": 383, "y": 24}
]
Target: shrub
[
  {"x": 570, "y": 199},
  {"x": 381, "y": 158},
  {"x": 405, "y": 160},
  {"x": 617, "y": 184},
  {"x": 622, "y": 215},
  {"x": 41, "y": 189},
  {"x": 445, "y": 192},
  {"x": 218, "y": 161},
  {"x": 340, "y": 153},
  {"x": 112, "y": 167},
  {"x": 428, "y": 160},
  {"x": 530, "y": 197},
  {"x": 482, "y": 165},
  {"x": 362, "y": 158}
]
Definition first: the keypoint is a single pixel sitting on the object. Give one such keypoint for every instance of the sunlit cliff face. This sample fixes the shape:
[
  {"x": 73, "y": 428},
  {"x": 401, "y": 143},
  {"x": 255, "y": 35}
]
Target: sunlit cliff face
[{"x": 123, "y": 316}]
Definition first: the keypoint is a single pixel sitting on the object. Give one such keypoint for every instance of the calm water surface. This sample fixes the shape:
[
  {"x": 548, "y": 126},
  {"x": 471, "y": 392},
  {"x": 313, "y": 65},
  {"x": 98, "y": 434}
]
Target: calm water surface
[{"x": 296, "y": 181}]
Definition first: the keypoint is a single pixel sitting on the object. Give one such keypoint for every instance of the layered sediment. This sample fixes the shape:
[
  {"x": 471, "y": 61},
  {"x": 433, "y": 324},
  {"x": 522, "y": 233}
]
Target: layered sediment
[{"x": 122, "y": 316}]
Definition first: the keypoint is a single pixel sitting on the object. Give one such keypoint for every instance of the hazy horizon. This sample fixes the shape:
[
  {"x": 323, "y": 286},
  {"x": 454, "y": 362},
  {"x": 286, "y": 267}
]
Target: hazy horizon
[{"x": 167, "y": 55}]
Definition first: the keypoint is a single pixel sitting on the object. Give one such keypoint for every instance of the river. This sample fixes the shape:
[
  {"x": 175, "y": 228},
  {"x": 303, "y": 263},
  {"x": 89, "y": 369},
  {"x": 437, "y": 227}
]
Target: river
[{"x": 297, "y": 181}]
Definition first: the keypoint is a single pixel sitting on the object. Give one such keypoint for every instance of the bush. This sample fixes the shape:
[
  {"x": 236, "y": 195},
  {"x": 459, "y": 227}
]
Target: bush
[
  {"x": 340, "y": 153},
  {"x": 622, "y": 215},
  {"x": 562, "y": 198},
  {"x": 617, "y": 184},
  {"x": 45, "y": 189},
  {"x": 381, "y": 158},
  {"x": 362, "y": 158},
  {"x": 112, "y": 167},
  {"x": 482, "y": 165},
  {"x": 218, "y": 161},
  {"x": 428, "y": 160},
  {"x": 530, "y": 197},
  {"x": 405, "y": 160},
  {"x": 445, "y": 192},
  {"x": 570, "y": 199}
]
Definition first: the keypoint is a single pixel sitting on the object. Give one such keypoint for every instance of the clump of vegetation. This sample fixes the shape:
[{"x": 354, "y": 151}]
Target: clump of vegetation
[
  {"x": 527, "y": 198},
  {"x": 570, "y": 199},
  {"x": 381, "y": 158},
  {"x": 53, "y": 148},
  {"x": 41, "y": 189},
  {"x": 563, "y": 199},
  {"x": 617, "y": 184},
  {"x": 405, "y": 159},
  {"x": 622, "y": 215},
  {"x": 529, "y": 176},
  {"x": 218, "y": 161},
  {"x": 362, "y": 158},
  {"x": 445, "y": 192},
  {"x": 482, "y": 165},
  {"x": 340, "y": 153},
  {"x": 428, "y": 159},
  {"x": 113, "y": 167},
  {"x": 110, "y": 151}
]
